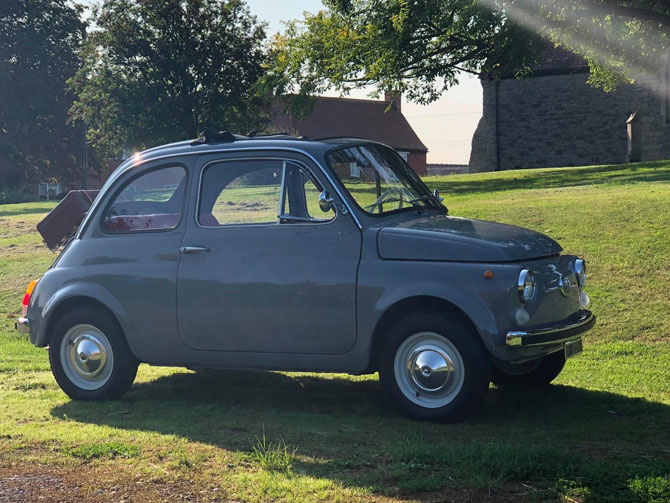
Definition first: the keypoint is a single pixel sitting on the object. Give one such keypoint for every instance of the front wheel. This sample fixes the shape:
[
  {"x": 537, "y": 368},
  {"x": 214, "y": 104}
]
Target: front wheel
[
  {"x": 433, "y": 367},
  {"x": 89, "y": 356}
]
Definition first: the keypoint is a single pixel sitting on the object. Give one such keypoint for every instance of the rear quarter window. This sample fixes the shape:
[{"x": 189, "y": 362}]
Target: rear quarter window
[{"x": 152, "y": 201}]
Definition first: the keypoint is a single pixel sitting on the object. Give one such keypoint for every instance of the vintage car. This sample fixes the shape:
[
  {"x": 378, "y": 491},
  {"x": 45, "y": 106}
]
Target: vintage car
[{"x": 284, "y": 253}]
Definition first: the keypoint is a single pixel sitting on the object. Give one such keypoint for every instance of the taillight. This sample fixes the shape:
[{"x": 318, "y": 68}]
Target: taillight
[{"x": 26, "y": 297}]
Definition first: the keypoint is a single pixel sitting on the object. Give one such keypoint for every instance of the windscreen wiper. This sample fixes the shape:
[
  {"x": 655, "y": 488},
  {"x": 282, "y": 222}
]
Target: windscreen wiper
[
  {"x": 413, "y": 202},
  {"x": 429, "y": 198}
]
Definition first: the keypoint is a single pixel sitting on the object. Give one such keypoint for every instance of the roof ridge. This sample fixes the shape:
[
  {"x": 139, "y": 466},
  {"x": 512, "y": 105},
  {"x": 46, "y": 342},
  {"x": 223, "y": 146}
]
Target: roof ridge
[{"x": 364, "y": 100}]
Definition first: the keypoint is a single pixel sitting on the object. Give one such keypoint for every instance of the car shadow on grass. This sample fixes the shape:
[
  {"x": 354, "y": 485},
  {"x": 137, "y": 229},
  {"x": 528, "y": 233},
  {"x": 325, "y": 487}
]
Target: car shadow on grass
[{"x": 594, "y": 445}]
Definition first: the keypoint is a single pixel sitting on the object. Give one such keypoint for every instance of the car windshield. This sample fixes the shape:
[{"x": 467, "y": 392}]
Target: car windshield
[{"x": 379, "y": 180}]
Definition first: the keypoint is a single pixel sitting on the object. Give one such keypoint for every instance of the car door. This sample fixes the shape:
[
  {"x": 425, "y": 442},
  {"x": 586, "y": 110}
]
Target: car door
[{"x": 262, "y": 269}]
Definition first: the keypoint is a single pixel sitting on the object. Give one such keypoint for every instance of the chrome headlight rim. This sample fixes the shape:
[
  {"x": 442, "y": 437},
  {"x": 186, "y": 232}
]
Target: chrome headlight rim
[
  {"x": 580, "y": 272},
  {"x": 526, "y": 286}
]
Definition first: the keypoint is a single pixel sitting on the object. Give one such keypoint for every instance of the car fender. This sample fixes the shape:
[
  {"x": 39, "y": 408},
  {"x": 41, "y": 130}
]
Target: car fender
[
  {"x": 471, "y": 302},
  {"x": 78, "y": 289}
]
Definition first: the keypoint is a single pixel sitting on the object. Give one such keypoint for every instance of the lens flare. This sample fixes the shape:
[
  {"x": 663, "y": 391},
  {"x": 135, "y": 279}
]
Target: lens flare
[{"x": 607, "y": 36}]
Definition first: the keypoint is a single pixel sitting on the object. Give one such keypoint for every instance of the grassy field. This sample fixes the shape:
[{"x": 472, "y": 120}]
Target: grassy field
[{"x": 600, "y": 434}]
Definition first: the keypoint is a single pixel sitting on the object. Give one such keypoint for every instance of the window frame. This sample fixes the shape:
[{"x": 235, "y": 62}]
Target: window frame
[
  {"x": 327, "y": 156},
  {"x": 124, "y": 184},
  {"x": 282, "y": 196}
]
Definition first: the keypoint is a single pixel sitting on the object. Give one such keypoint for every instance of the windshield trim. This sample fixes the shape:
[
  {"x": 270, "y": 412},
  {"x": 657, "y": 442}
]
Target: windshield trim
[{"x": 436, "y": 205}]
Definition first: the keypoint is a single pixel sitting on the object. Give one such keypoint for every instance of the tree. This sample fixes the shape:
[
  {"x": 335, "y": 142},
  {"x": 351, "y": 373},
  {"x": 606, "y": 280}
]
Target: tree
[
  {"x": 39, "y": 40},
  {"x": 416, "y": 48},
  {"x": 419, "y": 47},
  {"x": 157, "y": 71}
]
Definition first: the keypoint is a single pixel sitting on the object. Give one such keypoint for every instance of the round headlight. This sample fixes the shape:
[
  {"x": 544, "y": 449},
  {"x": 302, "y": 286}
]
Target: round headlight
[
  {"x": 526, "y": 285},
  {"x": 580, "y": 272}
]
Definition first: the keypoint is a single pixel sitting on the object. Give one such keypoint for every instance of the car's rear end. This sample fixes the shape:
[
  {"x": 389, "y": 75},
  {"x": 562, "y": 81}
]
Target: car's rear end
[{"x": 56, "y": 229}]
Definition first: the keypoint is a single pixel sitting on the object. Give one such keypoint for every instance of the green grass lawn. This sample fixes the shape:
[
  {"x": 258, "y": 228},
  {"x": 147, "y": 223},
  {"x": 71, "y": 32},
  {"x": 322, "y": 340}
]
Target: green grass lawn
[{"x": 601, "y": 433}]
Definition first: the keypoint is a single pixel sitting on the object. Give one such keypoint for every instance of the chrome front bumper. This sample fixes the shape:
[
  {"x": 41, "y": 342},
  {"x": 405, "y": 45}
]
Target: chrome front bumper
[
  {"x": 22, "y": 325},
  {"x": 552, "y": 335}
]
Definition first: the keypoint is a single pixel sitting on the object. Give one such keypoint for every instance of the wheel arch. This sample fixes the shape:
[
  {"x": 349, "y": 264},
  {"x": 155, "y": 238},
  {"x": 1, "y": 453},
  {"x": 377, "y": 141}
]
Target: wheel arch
[
  {"x": 116, "y": 377},
  {"x": 73, "y": 297},
  {"x": 408, "y": 305}
]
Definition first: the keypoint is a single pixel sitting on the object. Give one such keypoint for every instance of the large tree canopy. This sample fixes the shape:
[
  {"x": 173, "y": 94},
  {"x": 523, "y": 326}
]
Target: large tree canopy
[
  {"x": 157, "y": 71},
  {"x": 39, "y": 40},
  {"x": 418, "y": 47},
  {"x": 623, "y": 40}
]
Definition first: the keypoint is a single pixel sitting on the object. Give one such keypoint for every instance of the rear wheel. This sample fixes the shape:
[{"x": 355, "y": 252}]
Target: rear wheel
[
  {"x": 89, "y": 356},
  {"x": 538, "y": 372},
  {"x": 432, "y": 367}
]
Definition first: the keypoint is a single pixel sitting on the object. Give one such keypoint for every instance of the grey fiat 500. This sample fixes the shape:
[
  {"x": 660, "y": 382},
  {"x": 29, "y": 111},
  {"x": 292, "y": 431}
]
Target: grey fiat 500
[{"x": 289, "y": 254}]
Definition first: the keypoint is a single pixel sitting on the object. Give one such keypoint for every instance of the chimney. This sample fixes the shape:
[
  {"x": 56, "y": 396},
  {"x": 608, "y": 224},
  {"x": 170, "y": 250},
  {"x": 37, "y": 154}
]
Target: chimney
[{"x": 394, "y": 99}]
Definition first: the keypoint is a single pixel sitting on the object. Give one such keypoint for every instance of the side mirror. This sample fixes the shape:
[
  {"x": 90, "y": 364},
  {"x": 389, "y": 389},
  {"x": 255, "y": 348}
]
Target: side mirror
[
  {"x": 436, "y": 195},
  {"x": 326, "y": 202}
]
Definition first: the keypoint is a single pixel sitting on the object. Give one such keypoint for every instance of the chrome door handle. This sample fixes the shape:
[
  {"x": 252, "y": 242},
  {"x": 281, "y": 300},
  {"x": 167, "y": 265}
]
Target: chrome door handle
[{"x": 193, "y": 249}]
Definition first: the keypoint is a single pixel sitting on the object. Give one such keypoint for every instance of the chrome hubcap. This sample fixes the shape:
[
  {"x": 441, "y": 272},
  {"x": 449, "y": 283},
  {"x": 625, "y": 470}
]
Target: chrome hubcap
[
  {"x": 429, "y": 369},
  {"x": 86, "y": 357}
]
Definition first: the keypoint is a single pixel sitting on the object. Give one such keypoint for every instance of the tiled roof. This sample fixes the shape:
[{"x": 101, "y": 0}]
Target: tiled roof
[
  {"x": 558, "y": 60},
  {"x": 357, "y": 118}
]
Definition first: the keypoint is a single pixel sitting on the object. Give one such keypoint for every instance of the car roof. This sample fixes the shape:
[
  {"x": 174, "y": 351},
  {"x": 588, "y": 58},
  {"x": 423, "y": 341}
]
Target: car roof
[
  {"x": 212, "y": 141},
  {"x": 226, "y": 141}
]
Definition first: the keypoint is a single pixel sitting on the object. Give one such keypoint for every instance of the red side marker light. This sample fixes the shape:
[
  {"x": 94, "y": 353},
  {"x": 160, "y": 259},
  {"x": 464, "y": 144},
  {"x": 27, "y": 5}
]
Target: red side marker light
[{"x": 26, "y": 297}]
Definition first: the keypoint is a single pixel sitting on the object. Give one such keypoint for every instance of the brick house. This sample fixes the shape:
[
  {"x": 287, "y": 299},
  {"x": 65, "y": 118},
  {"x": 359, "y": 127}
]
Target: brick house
[
  {"x": 369, "y": 119},
  {"x": 555, "y": 119}
]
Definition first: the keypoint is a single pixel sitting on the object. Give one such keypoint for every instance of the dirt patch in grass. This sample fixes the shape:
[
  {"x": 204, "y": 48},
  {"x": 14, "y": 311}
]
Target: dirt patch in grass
[
  {"x": 30, "y": 486},
  {"x": 23, "y": 484},
  {"x": 12, "y": 227},
  {"x": 106, "y": 483}
]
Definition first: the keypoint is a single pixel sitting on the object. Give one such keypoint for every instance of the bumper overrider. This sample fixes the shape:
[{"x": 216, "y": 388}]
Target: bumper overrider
[
  {"x": 552, "y": 335},
  {"x": 22, "y": 325}
]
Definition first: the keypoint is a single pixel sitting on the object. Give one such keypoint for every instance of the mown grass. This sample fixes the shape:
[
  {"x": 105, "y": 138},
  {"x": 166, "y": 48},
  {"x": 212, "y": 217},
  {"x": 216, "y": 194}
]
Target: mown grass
[
  {"x": 273, "y": 456},
  {"x": 104, "y": 450},
  {"x": 600, "y": 434}
]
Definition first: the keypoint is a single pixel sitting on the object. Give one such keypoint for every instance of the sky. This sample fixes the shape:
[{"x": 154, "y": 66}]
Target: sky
[{"x": 445, "y": 126}]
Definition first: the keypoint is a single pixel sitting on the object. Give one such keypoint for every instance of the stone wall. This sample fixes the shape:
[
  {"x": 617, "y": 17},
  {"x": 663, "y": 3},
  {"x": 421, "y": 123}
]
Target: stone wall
[
  {"x": 483, "y": 156},
  {"x": 446, "y": 169},
  {"x": 559, "y": 120}
]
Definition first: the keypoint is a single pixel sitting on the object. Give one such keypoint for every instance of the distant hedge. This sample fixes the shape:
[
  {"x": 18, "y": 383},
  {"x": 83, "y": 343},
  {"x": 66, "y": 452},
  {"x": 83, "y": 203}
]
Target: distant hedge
[{"x": 10, "y": 195}]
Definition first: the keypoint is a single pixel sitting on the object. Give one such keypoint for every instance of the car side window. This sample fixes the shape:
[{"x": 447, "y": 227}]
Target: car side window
[
  {"x": 246, "y": 192},
  {"x": 258, "y": 192},
  {"x": 150, "y": 202}
]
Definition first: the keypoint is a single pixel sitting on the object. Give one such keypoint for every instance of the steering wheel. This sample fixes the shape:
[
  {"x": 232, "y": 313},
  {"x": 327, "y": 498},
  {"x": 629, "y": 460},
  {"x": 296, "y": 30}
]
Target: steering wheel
[{"x": 382, "y": 199}]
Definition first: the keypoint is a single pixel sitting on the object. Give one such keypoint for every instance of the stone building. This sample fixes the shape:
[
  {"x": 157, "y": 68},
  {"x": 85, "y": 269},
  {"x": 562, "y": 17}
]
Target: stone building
[
  {"x": 555, "y": 119},
  {"x": 378, "y": 120}
]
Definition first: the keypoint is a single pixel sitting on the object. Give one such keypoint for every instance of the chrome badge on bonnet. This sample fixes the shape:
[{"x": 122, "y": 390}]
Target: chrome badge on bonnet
[{"x": 564, "y": 285}]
